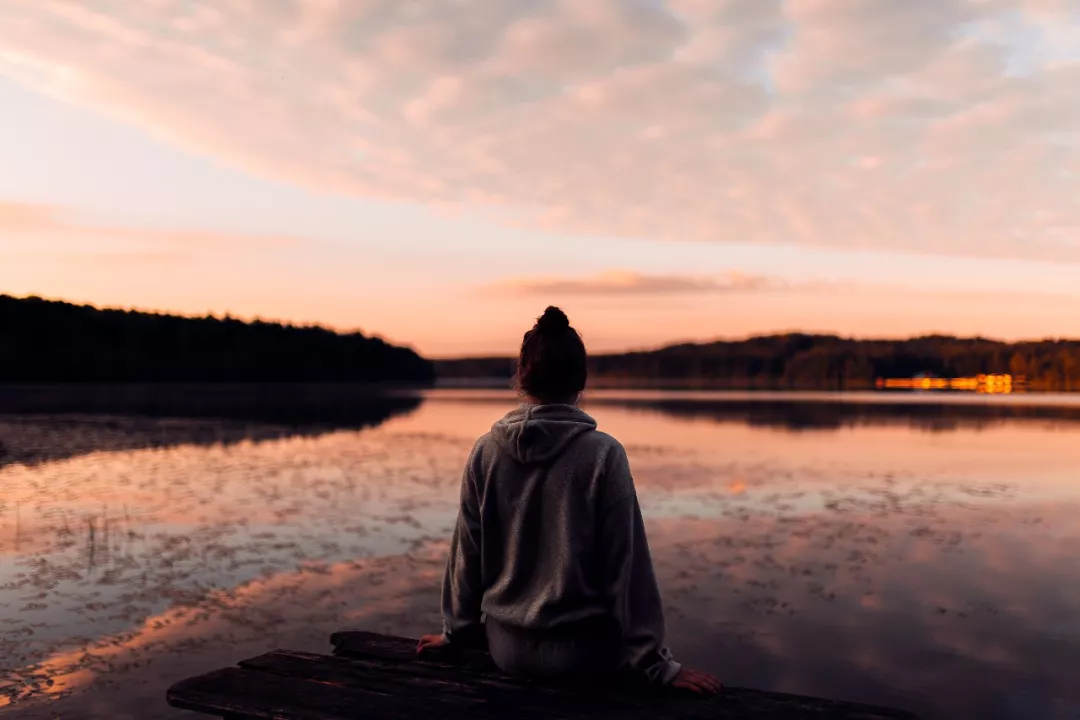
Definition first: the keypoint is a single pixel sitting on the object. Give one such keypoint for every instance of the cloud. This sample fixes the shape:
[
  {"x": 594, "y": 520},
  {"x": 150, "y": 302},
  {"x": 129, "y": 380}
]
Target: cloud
[
  {"x": 20, "y": 222},
  {"x": 621, "y": 282},
  {"x": 924, "y": 126},
  {"x": 840, "y": 45}
]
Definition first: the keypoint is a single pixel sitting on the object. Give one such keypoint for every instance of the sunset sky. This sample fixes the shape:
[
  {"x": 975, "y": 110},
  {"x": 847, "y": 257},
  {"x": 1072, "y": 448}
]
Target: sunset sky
[{"x": 436, "y": 172}]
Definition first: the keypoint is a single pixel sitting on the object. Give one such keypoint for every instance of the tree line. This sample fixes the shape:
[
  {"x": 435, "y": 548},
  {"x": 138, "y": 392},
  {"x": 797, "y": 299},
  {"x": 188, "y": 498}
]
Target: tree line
[
  {"x": 50, "y": 341},
  {"x": 813, "y": 362}
]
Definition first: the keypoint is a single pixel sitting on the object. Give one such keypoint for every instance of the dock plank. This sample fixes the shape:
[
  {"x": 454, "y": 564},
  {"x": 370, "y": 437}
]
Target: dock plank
[
  {"x": 376, "y": 676},
  {"x": 421, "y": 684},
  {"x": 743, "y": 702},
  {"x": 364, "y": 672},
  {"x": 358, "y": 644},
  {"x": 248, "y": 695}
]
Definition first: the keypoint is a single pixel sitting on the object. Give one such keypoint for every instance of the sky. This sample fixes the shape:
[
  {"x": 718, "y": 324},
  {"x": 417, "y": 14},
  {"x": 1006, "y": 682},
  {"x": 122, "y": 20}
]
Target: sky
[{"x": 437, "y": 172}]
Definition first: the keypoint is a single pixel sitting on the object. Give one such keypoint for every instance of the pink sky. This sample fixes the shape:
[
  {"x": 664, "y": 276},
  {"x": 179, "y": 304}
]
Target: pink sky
[{"x": 670, "y": 170}]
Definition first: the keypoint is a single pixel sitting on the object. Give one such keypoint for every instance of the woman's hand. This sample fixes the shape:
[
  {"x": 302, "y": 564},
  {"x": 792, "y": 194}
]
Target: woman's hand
[
  {"x": 697, "y": 682},
  {"x": 432, "y": 643}
]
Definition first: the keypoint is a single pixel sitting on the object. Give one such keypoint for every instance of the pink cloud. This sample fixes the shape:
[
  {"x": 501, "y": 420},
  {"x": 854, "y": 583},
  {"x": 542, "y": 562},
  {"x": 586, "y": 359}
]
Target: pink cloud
[
  {"x": 811, "y": 122},
  {"x": 23, "y": 222},
  {"x": 621, "y": 282}
]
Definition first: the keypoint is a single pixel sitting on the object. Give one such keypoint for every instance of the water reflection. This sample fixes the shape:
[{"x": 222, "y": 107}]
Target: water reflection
[
  {"x": 58, "y": 422},
  {"x": 868, "y": 562},
  {"x": 835, "y": 414}
]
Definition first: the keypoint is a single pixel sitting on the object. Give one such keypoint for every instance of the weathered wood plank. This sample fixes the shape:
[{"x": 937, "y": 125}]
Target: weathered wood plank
[
  {"x": 413, "y": 686},
  {"x": 414, "y": 683},
  {"x": 375, "y": 676},
  {"x": 363, "y": 672},
  {"x": 254, "y": 695},
  {"x": 750, "y": 703},
  {"x": 251, "y": 695},
  {"x": 357, "y": 644}
]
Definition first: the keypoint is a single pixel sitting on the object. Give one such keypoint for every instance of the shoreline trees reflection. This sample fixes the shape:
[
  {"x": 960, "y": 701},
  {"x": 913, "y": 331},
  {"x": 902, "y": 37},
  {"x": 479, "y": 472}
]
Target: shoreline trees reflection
[{"x": 41, "y": 423}]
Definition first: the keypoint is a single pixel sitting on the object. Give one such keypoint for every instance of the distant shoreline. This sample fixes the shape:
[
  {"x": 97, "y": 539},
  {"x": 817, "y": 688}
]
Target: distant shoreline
[
  {"x": 812, "y": 362},
  {"x": 676, "y": 385}
]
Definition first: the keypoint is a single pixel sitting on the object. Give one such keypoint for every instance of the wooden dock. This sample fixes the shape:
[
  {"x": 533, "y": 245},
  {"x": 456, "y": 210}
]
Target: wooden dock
[{"x": 375, "y": 676}]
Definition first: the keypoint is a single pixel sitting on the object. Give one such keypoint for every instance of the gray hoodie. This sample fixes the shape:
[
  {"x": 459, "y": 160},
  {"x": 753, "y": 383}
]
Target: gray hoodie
[{"x": 550, "y": 532}]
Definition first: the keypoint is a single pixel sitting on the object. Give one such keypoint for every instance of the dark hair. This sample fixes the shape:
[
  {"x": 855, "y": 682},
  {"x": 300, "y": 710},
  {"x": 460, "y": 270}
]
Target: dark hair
[{"x": 551, "y": 366}]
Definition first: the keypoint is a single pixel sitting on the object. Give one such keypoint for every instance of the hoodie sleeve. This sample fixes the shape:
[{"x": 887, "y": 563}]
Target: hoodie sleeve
[
  {"x": 631, "y": 582},
  {"x": 462, "y": 588}
]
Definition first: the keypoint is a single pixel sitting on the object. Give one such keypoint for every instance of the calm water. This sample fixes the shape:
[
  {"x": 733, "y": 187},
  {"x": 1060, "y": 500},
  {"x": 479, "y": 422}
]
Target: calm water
[{"x": 914, "y": 555}]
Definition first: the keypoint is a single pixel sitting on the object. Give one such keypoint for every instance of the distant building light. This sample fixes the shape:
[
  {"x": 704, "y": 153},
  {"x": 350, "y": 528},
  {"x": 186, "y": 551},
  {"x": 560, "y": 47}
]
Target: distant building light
[{"x": 994, "y": 383}]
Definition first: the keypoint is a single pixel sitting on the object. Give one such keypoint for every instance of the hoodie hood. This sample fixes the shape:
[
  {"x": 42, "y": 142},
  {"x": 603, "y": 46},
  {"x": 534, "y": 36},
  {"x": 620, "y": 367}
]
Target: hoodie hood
[{"x": 538, "y": 433}]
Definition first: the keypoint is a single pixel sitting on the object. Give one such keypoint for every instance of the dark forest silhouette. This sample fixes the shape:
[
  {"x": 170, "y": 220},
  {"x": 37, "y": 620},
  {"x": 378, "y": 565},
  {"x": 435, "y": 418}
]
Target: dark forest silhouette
[
  {"x": 48, "y": 341},
  {"x": 813, "y": 362}
]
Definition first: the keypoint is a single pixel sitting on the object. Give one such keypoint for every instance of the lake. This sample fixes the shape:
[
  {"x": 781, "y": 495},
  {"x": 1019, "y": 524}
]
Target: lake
[{"x": 920, "y": 552}]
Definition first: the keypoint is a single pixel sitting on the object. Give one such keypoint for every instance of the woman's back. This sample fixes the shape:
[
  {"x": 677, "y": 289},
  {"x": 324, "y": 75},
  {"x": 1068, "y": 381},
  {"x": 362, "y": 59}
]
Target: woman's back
[
  {"x": 550, "y": 547},
  {"x": 543, "y": 475},
  {"x": 550, "y": 538}
]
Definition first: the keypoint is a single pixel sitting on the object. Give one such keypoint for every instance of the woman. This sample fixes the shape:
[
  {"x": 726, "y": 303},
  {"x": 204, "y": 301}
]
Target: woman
[{"x": 550, "y": 546}]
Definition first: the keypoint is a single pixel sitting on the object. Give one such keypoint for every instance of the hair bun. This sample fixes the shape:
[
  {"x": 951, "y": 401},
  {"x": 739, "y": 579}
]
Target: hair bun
[{"x": 553, "y": 320}]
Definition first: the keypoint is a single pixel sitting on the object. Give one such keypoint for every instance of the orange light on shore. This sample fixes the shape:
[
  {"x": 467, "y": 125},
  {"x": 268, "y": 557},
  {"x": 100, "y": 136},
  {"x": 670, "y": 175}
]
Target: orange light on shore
[{"x": 995, "y": 384}]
